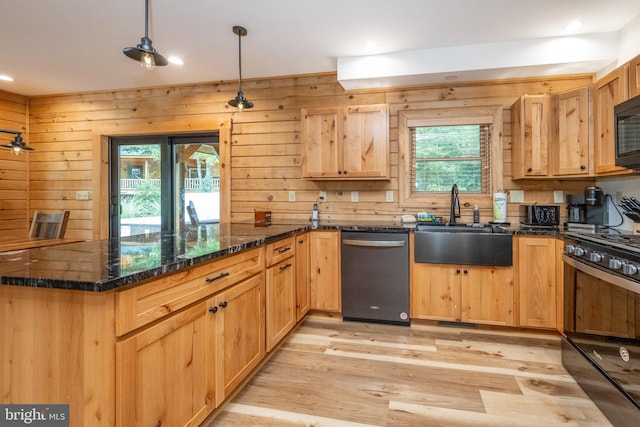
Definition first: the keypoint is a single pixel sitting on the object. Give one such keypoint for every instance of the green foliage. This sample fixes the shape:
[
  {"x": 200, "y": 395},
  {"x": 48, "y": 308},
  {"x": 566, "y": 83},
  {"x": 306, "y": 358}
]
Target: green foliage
[{"x": 144, "y": 202}]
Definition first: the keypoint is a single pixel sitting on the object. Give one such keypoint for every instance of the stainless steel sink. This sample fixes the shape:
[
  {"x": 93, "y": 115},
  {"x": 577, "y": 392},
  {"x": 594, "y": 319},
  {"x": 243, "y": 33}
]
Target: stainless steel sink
[{"x": 463, "y": 245}]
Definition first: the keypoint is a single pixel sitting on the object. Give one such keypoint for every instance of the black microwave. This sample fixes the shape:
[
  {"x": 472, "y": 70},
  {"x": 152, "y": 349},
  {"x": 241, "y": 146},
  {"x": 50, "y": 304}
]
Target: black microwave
[{"x": 627, "y": 133}]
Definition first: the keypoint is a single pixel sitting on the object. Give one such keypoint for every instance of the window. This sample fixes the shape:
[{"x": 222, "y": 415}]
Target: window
[
  {"x": 444, "y": 146},
  {"x": 445, "y": 155}
]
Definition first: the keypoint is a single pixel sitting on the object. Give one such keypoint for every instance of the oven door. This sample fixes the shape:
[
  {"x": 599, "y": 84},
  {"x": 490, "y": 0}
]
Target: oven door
[{"x": 602, "y": 319}]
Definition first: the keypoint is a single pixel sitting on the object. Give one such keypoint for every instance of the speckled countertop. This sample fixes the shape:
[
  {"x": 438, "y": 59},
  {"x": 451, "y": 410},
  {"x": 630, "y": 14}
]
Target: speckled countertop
[{"x": 103, "y": 265}]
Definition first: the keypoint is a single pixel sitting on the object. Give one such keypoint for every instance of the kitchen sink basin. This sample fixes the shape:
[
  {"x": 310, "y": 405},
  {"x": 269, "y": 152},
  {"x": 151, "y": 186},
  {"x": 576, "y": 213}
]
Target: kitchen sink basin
[{"x": 463, "y": 245}]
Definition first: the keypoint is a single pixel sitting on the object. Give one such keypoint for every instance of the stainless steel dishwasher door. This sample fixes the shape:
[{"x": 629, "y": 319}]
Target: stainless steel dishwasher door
[{"x": 375, "y": 276}]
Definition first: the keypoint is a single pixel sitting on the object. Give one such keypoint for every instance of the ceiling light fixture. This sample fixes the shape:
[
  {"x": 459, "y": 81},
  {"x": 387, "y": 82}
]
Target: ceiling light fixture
[
  {"x": 144, "y": 52},
  {"x": 6, "y": 78},
  {"x": 573, "y": 26},
  {"x": 240, "y": 101},
  {"x": 17, "y": 145}
]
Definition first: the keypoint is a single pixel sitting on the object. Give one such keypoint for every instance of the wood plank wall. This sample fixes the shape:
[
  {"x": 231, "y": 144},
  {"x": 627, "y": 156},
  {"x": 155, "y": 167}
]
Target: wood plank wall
[
  {"x": 14, "y": 178},
  {"x": 265, "y": 143}
]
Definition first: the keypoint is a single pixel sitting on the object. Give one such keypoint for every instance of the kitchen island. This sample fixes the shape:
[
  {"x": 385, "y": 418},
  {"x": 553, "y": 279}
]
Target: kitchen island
[{"x": 118, "y": 328}]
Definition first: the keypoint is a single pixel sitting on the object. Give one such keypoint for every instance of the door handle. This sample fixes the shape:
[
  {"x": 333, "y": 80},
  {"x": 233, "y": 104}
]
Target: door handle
[{"x": 375, "y": 243}]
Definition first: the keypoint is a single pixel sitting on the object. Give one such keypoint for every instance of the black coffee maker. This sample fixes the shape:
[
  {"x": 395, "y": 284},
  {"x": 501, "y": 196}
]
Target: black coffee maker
[{"x": 589, "y": 209}]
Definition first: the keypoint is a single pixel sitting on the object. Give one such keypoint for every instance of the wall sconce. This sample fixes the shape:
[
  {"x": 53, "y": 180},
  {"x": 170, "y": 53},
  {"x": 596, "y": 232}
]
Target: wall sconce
[
  {"x": 144, "y": 52},
  {"x": 240, "y": 101},
  {"x": 17, "y": 144}
]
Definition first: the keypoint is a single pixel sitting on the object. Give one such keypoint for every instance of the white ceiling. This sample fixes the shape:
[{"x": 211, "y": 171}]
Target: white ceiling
[{"x": 65, "y": 46}]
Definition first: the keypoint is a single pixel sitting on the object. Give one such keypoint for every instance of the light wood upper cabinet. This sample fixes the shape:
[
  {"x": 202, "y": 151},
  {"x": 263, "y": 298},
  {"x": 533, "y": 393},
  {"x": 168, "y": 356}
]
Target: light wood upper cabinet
[
  {"x": 634, "y": 77},
  {"x": 303, "y": 302},
  {"x": 612, "y": 89},
  {"x": 530, "y": 136},
  {"x": 324, "y": 249},
  {"x": 463, "y": 293},
  {"x": 537, "y": 281},
  {"x": 571, "y": 145},
  {"x": 349, "y": 143}
]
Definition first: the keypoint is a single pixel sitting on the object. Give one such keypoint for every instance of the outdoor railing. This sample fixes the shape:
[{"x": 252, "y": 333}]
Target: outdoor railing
[{"x": 189, "y": 183}]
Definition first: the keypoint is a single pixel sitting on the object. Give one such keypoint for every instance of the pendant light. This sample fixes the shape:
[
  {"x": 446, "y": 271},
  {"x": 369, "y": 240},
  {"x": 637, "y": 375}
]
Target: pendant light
[
  {"x": 240, "y": 101},
  {"x": 17, "y": 145},
  {"x": 144, "y": 52}
]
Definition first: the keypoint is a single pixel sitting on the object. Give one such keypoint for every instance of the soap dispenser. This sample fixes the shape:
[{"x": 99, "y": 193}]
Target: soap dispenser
[{"x": 476, "y": 215}]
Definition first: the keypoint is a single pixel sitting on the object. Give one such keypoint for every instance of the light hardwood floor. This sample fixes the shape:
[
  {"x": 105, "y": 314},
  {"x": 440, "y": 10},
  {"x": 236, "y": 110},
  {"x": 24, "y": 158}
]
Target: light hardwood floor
[{"x": 334, "y": 373}]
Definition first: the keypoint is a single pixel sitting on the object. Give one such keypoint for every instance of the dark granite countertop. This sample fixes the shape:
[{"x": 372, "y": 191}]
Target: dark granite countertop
[{"x": 103, "y": 265}]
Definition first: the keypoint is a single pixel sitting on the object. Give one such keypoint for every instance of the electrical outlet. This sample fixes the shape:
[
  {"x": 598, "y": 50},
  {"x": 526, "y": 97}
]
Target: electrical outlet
[
  {"x": 558, "y": 196},
  {"x": 354, "y": 196},
  {"x": 292, "y": 196},
  {"x": 82, "y": 195},
  {"x": 322, "y": 196},
  {"x": 389, "y": 196},
  {"x": 516, "y": 196}
]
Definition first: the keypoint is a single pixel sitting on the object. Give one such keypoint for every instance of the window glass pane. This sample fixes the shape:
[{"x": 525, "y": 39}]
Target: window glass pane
[
  {"x": 435, "y": 176},
  {"x": 438, "y": 142}
]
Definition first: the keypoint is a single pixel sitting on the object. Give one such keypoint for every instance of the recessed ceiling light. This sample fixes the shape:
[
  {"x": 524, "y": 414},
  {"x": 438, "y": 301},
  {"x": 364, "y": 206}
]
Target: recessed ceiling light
[
  {"x": 573, "y": 26},
  {"x": 371, "y": 47},
  {"x": 175, "y": 60},
  {"x": 5, "y": 78}
]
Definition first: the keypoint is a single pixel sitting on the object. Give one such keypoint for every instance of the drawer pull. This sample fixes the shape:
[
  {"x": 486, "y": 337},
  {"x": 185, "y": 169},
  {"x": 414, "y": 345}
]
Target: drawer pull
[
  {"x": 223, "y": 304},
  {"x": 213, "y": 309},
  {"x": 284, "y": 267},
  {"x": 220, "y": 276},
  {"x": 281, "y": 251}
]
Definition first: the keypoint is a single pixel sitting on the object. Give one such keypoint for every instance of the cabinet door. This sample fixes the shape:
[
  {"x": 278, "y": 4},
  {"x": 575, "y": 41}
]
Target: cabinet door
[
  {"x": 537, "y": 281},
  {"x": 572, "y": 140},
  {"x": 165, "y": 374},
  {"x": 366, "y": 147},
  {"x": 238, "y": 329},
  {"x": 611, "y": 90},
  {"x": 325, "y": 270},
  {"x": 435, "y": 292},
  {"x": 280, "y": 301},
  {"x": 530, "y": 136},
  {"x": 487, "y": 295},
  {"x": 322, "y": 133},
  {"x": 634, "y": 77},
  {"x": 302, "y": 276}
]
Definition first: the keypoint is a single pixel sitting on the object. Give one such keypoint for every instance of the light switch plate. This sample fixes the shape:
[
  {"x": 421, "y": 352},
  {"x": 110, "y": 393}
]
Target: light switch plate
[
  {"x": 82, "y": 195},
  {"x": 516, "y": 196},
  {"x": 558, "y": 196},
  {"x": 292, "y": 196},
  {"x": 354, "y": 196},
  {"x": 389, "y": 196}
]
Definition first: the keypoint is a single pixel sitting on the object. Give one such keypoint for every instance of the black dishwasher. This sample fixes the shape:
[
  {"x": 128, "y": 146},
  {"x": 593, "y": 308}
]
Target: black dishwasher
[{"x": 375, "y": 276}]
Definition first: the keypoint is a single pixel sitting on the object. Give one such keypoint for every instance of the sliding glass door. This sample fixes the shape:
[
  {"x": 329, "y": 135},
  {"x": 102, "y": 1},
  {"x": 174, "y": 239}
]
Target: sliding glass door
[{"x": 163, "y": 183}]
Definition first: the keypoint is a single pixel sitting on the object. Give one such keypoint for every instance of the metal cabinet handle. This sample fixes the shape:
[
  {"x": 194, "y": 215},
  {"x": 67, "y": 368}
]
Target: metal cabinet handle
[
  {"x": 457, "y": 271},
  {"x": 529, "y": 169},
  {"x": 223, "y": 304},
  {"x": 374, "y": 243},
  {"x": 284, "y": 267},
  {"x": 281, "y": 251},
  {"x": 219, "y": 276},
  {"x": 582, "y": 167},
  {"x": 213, "y": 309},
  {"x": 466, "y": 272}
]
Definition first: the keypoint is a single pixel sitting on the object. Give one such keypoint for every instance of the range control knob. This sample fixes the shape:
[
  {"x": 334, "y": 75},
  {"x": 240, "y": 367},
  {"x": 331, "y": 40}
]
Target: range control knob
[
  {"x": 629, "y": 269},
  {"x": 615, "y": 264},
  {"x": 595, "y": 257},
  {"x": 578, "y": 251},
  {"x": 569, "y": 248}
]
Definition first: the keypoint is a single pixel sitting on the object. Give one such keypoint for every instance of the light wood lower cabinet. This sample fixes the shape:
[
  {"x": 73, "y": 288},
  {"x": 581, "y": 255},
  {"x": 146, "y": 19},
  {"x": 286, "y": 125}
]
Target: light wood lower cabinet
[
  {"x": 303, "y": 301},
  {"x": 463, "y": 293},
  {"x": 165, "y": 374},
  {"x": 280, "y": 291},
  {"x": 537, "y": 281},
  {"x": 325, "y": 270}
]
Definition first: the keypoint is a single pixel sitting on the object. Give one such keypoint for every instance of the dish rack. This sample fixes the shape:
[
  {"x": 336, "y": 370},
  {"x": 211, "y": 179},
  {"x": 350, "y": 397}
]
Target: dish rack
[{"x": 631, "y": 209}]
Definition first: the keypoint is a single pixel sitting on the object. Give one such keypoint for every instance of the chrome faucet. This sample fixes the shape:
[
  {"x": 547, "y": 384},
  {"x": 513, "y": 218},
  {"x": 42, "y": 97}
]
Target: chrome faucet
[{"x": 455, "y": 205}]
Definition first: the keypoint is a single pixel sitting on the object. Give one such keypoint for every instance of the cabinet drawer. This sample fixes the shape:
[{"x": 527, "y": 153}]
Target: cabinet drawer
[
  {"x": 143, "y": 304},
  {"x": 277, "y": 251}
]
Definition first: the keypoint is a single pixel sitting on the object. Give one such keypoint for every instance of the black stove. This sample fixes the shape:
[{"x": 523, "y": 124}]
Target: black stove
[{"x": 602, "y": 320}]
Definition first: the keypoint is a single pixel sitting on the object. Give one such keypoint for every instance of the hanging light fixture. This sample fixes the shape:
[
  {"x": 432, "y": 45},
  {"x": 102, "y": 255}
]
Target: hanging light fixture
[
  {"x": 17, "y": 145},
  {"x": 144, "y": 52},
  {"x": 240, "y": 101}
]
